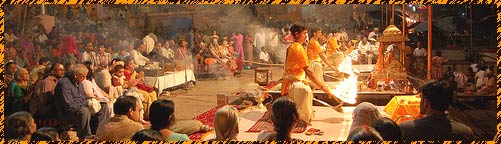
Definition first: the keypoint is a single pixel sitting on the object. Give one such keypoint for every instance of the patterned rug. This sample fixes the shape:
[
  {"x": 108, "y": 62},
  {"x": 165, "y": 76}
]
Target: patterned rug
[
  {"x": 207, "y": 118},
  {"x": 265, "y": 124}
]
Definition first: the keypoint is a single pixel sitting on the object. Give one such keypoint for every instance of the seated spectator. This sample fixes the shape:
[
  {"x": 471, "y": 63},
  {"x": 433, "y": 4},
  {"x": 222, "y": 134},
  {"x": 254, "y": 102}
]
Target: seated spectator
[
  {"x": 162, "y": 117},
  {"x": 42, "y": 105},
  {"x": 22, "y": 59},
  {"x": 147, "y": 135},
  {"x": 225, "y": 124},
  {"x": 20, "y": 89},
  {"x": 490, "y": 83},
  {"x": 122, "y": 126},
  {"x": 9, "y": 73},
  {"x": 364, "y": 114},
  {"x": 135, "y": 93},
  {"x": 46, "y": 134},
  {"x": 118, "y": 78},
  {"x": 19, "y": 127},
  {"x": 135, "y": 79},
  {"x": 436, "y": 97},
  {"x": 284, "y": 117},
  {"x": 364, "y": 133},
  {"x": 39, "y": 69},
  {"x": 387, "y": 128},
  {"x": 264, "y": 56},
  {"x": 72, "y": 103},
  {"x": 93, "y": 91},
  {"x": 480, "y": 78}
]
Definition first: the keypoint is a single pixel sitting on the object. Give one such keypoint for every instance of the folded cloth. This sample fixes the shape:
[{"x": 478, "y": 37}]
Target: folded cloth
[{"x": 145, "y": 87}]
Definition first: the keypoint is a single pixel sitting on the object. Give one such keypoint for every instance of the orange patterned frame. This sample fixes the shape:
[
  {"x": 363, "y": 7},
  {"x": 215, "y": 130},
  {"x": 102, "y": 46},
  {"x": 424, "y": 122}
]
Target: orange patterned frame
[{"x": 66, "y": 2}]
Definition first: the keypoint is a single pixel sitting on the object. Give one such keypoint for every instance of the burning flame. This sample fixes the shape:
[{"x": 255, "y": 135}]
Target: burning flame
[{"x": 346, "y": 90}]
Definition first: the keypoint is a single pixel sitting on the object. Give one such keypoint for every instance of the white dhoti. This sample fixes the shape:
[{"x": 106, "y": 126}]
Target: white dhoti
[
  {"x": 302, "y": 95},
  {"x": 316, "y": 68}
]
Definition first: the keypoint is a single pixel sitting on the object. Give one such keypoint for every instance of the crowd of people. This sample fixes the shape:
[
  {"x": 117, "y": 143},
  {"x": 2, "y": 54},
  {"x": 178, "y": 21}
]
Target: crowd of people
[
  {"x": 88, "y": 78},
  {"x": 368, "y": 124}
]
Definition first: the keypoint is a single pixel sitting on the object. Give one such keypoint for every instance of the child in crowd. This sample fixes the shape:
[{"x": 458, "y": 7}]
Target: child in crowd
[{"x": 118, "y": 79}]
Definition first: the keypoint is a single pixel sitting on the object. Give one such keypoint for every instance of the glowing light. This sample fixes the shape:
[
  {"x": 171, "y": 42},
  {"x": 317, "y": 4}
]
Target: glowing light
[{"x": 346, "y": 90}]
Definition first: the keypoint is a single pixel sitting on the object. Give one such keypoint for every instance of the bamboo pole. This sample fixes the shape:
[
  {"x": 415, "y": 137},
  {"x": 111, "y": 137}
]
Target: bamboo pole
[
  {"x": 43, "y": 8},
  {"x": 471, "y": 34},
  {"x": 386, "y": 13},
  {"x": 382, "y": 17},
  {"x": 392, "y": 15},
  {"x": 24, "y": 18},
  {"x": 404, "y": 34},
  {"x": 430, "y": 15}
]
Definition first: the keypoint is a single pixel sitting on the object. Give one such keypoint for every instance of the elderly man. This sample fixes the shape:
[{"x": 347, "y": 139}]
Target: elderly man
[
  {"x": 436, "y": 97},
  {"x": 125, "y": 123},
  {"x": 72, "y": 103},
  {"x": 42, "y": 104}
]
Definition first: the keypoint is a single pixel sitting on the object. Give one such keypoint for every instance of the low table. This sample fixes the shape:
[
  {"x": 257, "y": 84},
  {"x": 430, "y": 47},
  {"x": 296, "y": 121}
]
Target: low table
[{"x": 171, "y": 79}]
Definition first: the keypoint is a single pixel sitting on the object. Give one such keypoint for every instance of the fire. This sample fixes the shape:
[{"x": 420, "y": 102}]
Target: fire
[{"x": 346, "y": 90}]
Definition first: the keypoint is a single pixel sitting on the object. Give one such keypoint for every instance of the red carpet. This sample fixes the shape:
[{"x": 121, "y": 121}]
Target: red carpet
[
  {"x": 265, "y": 124},
  {"x": 207, "y": 118}
]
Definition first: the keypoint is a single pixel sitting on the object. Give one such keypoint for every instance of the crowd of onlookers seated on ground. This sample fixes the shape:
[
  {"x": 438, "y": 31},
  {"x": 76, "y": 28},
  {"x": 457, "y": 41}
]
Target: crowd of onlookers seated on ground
[{"x": 368, "y": 124}]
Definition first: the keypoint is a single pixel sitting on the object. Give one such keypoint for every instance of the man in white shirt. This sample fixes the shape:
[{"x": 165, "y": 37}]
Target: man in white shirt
[
  {"x": 420, "y": 56},
  {"x": 139, "y": 59},
  {"x": 364, "y": 46},
  {"x": 259, "y": 39},
  {"x": 264, "y": 56},
  {"x": 88, "y": 53},
  {"x": 374, "y": 34},
  {"x": 149, "y": 43}
]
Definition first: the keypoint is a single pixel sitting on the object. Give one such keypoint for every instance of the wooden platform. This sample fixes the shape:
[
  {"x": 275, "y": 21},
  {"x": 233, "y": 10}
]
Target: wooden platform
[{"x": 480, "y": 116}]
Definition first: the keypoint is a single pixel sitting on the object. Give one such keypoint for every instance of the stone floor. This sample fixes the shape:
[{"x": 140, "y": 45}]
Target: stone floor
[{"x": 481, "y": 116}]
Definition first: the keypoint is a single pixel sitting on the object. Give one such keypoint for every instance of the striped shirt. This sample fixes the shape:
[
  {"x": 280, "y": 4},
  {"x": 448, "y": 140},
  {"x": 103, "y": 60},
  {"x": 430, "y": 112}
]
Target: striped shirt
[{"x": 101, "y": 60}]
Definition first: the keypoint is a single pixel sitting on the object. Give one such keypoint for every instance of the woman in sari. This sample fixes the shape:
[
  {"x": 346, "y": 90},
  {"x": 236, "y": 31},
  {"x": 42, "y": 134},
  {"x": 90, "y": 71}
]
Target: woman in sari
[
  {"x": 20, "y": 90},
  {"x": 134, "y": 79}
]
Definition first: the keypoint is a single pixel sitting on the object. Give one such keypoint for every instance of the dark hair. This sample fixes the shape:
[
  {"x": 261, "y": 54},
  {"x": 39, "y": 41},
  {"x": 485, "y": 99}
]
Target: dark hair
[
  {"x": 45, "y": 134},
  {"x": 128, "y": 61},
  {"x": 147, "y": 135},
  {"x": 438, "y": 94},
  {"x": 9, "y": 63},
  {"x": 296, "y": 29},
  {"x": 438, "y": 53},
  {"x": 118, "y": 67},
  {"x": 43, "y": 60},
  {"x": 284, "y": 116},
  {"x": 115, "y": 60},
  {"x": 364, "y": 133},
  {"x": 17, "y": 125},
  {"x": 91, "y": 73},
  {"x": 161, "y": 114},
  {"x": 387, "y": 128},
  {"x": 123, "y": 104}
]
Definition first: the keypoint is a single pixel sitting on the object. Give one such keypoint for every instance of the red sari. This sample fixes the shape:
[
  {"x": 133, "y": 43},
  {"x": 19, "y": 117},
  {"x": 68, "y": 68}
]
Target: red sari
[{"x": 141, "y": 86}]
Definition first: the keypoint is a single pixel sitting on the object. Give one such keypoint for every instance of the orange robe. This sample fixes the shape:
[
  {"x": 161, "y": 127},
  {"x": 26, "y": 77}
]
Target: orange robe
[
  {"x": 332, "y": 46},
  {"x": 314, "y": 50},
  {"x": 295, "y": 62}
]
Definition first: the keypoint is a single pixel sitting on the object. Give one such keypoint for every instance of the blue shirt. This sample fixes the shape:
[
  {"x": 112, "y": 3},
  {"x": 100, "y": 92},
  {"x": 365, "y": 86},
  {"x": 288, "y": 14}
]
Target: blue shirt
[
  {"x": 69, "y": 95},
  {"x": 178, "y": 137}
]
